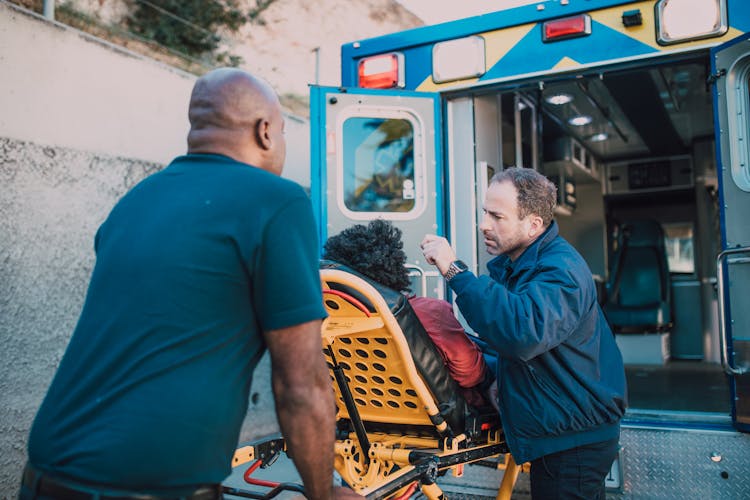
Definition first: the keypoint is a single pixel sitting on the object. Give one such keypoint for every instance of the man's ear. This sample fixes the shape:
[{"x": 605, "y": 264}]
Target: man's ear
[
  {"x": 262, "y": 135},
  {"x": 536, "y": 227}
]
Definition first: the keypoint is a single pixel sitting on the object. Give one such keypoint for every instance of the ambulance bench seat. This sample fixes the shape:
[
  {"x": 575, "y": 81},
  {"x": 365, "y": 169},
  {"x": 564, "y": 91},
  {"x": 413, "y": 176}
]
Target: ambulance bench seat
[{"x": 638, "y": 291}]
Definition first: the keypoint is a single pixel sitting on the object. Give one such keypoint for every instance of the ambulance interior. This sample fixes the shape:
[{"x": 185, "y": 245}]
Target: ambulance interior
[{"x": 632, "y": 153}]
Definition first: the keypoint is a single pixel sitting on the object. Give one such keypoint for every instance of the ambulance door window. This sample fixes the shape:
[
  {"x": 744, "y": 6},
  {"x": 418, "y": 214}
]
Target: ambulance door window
[{"x": 379, "y": 167}]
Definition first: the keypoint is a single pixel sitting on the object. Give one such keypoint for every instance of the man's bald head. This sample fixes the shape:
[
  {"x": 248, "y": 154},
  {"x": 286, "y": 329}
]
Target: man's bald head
[{"x": 238, "y": 115}]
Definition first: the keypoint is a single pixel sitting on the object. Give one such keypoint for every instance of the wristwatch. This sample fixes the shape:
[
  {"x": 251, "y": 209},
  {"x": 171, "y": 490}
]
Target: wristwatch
[{"x": 457, "y": 266}]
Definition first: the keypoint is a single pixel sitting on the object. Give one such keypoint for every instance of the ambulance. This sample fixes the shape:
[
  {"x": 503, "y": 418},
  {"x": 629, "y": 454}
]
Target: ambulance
[{"x": 639, "y": 111}]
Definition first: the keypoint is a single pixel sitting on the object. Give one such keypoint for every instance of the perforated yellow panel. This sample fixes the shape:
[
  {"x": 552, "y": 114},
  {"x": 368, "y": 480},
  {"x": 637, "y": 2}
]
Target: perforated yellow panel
[{"x": 377, "y": 373}]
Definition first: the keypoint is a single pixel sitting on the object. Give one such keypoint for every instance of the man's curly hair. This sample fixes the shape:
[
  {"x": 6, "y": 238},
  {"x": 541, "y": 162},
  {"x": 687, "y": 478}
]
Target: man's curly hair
[
  {"x": 375, "y": 250},
  {"x": 537, "y": 195}
]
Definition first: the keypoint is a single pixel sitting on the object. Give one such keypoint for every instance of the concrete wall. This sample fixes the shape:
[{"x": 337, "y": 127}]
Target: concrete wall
[
  {"x": 52, "y": 202},
  {"x": 61, "y": 87},
  {"x": 81, "y": 122}
]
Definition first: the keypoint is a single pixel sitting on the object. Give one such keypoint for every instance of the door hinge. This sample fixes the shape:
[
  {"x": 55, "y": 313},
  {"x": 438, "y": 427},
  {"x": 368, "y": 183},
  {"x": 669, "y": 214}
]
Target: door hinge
[{"x": 715, "y": 76}]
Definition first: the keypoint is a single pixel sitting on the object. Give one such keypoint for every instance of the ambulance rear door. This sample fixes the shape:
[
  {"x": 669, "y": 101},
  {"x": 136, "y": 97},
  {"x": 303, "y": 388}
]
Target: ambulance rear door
[
  {"x": 376, "y": 154},
  {"x": 730, "y": 68}
]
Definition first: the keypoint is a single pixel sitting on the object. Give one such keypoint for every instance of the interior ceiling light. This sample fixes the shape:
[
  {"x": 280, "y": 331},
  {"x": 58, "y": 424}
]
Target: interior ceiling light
[
  {"x": 601, "y": 136},
  {"x": 559, "y": 99},
  {"x": 580, "y": 120}
]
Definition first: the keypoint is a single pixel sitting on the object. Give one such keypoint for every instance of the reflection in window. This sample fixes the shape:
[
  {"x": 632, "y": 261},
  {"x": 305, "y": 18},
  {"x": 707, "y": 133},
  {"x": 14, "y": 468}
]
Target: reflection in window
[
  {"x": 678, "y": 239},
  {"x": 378, "y": 165}
]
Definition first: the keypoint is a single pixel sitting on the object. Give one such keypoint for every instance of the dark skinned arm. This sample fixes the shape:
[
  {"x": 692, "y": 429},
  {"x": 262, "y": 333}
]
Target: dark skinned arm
[{"x": 305, "y": 406}]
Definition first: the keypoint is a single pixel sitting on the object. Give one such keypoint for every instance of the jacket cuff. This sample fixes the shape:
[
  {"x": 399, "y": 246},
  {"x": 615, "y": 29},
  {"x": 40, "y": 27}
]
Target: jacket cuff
[{"x": 461, "y": 281}]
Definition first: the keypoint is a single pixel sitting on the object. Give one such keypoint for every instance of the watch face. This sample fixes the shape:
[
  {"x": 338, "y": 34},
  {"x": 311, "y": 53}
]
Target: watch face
[{"x": 461, "y": 265}]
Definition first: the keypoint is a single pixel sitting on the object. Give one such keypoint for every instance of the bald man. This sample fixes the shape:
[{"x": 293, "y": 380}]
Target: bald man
[{"x": 193, "y": 271}]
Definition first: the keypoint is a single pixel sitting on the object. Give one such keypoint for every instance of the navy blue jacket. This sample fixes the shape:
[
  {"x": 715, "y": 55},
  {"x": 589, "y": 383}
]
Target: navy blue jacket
[{"x": 560, "y": 374}]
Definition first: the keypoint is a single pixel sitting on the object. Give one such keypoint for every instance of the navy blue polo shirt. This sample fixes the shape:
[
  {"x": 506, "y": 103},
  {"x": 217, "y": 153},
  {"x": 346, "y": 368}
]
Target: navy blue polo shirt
[{"x": 191, "y": 266}]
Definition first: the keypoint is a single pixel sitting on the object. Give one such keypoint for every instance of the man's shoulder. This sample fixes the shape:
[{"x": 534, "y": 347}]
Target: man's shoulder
[
  {"x": 239, "y": 171},
  {"x": 559, "y": 254},
  {"x": 266, "y": 180},
  {"x": 560, "y": 248}
]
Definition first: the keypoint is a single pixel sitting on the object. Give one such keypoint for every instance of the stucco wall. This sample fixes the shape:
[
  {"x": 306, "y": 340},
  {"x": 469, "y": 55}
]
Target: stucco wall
[
  {"x": 81, "y": 122},
  {"x": 62, "y": 87},
  {"x": 53, "y": 200}
]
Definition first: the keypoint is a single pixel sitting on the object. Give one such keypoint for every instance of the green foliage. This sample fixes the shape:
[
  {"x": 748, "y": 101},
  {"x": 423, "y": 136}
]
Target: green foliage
[{"x": 192, "y": 26}]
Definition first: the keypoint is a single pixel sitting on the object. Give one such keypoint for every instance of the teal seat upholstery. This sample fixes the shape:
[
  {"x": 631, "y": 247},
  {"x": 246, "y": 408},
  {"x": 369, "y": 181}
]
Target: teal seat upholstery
[{"x": 638, "y": 292}]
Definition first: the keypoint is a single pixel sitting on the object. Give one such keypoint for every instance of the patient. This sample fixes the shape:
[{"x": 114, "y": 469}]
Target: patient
[{"x": 376, "y": 251}]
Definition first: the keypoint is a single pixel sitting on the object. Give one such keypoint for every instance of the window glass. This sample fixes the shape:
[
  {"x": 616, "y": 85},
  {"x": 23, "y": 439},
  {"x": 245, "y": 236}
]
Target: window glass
[
  {"x": 679, "y": 241},
  {"x": 508, "y": 131},
  {"x": 378, "y": 165},
  {"x": 518, "y": 132},
  {"x": 527, "y": 133}
]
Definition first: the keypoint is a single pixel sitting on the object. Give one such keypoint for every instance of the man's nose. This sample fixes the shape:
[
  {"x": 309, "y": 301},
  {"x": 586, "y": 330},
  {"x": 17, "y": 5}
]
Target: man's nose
[{"x": 484, "y": 224}]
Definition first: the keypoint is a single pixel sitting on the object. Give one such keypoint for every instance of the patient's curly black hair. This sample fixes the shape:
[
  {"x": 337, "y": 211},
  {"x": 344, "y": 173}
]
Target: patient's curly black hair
[{"x": 375, "y": 250}]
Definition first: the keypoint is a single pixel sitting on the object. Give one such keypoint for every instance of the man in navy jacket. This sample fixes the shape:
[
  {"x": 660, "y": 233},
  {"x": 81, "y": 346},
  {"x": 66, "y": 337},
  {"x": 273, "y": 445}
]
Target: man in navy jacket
[{"x": 561, "y": 380}]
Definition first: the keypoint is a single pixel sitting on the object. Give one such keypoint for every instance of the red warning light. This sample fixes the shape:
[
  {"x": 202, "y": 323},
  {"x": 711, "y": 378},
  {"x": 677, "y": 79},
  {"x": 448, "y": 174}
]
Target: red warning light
[
  {"x": 568, "y": 27},
  {"x": 381, "y": 72}
]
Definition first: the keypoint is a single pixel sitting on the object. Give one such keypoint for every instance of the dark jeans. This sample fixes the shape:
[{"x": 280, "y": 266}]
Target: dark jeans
[{"x": 574, "y": 473}]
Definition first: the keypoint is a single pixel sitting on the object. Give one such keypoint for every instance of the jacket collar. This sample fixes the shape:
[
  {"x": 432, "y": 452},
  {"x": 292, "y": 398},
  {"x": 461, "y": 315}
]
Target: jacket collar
[{"x": 528, "y": 259}]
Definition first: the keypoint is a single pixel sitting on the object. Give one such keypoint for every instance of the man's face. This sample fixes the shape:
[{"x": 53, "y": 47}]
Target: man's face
[{"x": 504, "y": 233}]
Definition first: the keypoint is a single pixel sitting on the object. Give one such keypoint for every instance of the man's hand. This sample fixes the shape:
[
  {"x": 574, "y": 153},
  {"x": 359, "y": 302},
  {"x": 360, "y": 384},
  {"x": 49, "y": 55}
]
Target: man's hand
[{"x": 438, "y": 252}]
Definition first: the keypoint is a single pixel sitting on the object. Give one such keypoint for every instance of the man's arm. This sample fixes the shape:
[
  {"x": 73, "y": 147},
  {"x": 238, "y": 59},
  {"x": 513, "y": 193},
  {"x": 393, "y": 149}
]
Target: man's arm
[
  {"x": 305, "y": 406},
  {"x": 522, "y": 324}
]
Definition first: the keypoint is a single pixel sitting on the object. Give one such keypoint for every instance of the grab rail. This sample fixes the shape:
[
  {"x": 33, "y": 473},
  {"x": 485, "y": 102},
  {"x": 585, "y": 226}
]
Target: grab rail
[{"x": 723, "y": 339}]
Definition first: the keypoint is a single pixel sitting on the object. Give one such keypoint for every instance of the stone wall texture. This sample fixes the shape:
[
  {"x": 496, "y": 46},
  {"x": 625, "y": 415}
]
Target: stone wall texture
[{"x": 53, "y": 199}]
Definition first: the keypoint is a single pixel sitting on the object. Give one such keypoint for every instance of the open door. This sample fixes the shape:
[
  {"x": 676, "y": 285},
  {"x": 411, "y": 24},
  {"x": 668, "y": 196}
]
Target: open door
[
  {"x": 377, "y": 154},
  {"x": 730, "y": 67}
]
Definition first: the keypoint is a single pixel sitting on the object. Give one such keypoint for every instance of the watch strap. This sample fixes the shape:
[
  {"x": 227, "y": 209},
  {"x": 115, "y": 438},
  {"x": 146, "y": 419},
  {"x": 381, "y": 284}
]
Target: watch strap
[{"x": 455, "y": 268}]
